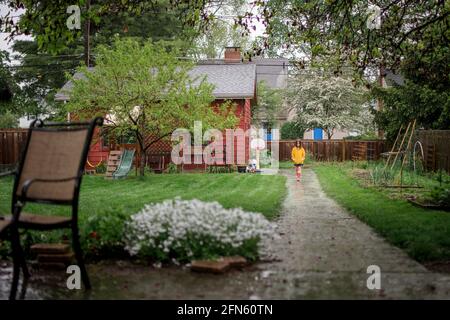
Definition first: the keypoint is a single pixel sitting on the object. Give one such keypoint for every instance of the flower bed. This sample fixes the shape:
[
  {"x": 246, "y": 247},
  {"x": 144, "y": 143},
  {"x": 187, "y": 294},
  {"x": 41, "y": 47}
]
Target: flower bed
[{"x": 192, "y": 229}]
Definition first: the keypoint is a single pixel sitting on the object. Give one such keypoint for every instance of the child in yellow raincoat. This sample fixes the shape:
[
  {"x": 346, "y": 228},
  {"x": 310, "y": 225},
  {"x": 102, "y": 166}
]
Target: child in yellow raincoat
[{"x": 298, "y": 155}]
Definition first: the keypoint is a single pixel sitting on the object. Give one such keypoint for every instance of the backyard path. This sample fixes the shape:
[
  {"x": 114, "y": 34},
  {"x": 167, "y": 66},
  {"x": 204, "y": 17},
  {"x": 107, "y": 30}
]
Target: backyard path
[
  {"x": 325, "y": 252},
  {"x": 322, "y": 253}
]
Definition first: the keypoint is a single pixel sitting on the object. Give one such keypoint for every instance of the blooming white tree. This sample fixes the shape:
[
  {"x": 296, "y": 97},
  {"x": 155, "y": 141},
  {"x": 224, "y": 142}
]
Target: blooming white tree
[{"x": 329, "y": 102}]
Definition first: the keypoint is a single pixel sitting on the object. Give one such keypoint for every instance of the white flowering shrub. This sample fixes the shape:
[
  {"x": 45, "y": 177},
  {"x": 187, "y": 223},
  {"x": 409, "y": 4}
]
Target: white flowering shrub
[{"x": 192, "y": 229}]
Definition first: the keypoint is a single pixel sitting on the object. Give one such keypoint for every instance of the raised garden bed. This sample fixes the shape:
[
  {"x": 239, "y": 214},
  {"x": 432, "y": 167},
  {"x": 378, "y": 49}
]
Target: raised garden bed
[{"x": 428, "y": 205}]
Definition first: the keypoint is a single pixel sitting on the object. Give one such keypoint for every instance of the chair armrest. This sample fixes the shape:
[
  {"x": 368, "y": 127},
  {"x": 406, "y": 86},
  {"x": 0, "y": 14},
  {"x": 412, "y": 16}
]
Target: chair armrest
[
  {"x": 27, "y": 184},
  {"x": 7, "y": 173}
]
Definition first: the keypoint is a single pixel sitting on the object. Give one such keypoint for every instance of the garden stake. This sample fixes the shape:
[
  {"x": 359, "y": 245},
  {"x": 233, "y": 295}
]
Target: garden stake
[
  {"x": 408, "y": 147},
  {"x": 393, "y": 147},
  {"x": 401, "y": 145}
]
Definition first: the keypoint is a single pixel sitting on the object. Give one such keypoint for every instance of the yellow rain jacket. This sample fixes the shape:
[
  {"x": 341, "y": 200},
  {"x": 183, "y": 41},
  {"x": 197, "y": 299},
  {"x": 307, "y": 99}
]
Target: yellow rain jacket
[{"x": 298, "y": 155}]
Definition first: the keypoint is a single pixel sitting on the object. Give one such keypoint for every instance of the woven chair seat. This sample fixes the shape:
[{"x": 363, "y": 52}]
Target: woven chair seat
[{"x": 28, "y": 220}]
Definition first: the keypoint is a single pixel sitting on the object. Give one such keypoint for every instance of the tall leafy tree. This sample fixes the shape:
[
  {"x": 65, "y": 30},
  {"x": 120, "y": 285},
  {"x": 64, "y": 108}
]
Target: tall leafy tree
[
  {"x": 5, "y": 79},
  {"x": 408, "y": 37},
  {"x": 147, "y": 90},
  {"x": 412, "y": 101},
  {"x": 47, "y": 20},
  {"x": 42, "y": 75},
  {"x": 221, "y": 31},
  {"x": 11, "y": 99},
  {"x": 269, "y": 104},
  {"x": 158, "y": 23},
  {"x": 363, "y": 33},
  {"x": 212, "y": 42},
  {"x": 424, "y": 96}
]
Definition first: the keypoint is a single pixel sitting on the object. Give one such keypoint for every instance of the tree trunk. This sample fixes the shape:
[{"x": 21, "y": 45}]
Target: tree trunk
[
  {"x": 380, "y": 106},
  {"x": 142, "y": 162},
  {"x": 142, "y": 144}
]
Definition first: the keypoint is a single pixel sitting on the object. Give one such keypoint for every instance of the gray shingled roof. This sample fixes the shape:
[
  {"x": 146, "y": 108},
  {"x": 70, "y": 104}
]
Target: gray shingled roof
[
  {"x": 64, "y": 92},
  {"x": 274, "y": 72},
  {"x": 231, "y": 81}
]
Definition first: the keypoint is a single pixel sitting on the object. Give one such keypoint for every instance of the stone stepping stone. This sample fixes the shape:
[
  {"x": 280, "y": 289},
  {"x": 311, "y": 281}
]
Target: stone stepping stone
[
  {"x": 208, "y": 266},
  {"x": 235, "y": 261},
  {"x": 218, "y": 266}
]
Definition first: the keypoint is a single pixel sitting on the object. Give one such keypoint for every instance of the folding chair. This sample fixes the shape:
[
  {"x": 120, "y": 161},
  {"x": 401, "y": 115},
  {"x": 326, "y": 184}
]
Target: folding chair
[{"x": 50, "y": 172}]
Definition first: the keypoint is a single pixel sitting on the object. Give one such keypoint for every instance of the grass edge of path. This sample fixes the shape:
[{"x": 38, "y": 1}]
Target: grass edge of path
[{"x": 424, "y": 235}]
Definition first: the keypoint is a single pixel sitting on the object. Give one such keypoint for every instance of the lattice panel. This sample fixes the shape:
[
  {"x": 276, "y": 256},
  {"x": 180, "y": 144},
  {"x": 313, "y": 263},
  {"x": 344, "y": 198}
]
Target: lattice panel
[{"x": 161, "y": 147}]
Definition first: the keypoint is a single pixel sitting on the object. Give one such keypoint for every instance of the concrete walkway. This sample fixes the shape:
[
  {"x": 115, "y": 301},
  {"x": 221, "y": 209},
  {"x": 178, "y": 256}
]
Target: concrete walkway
[{"x": 322, "y": 253}]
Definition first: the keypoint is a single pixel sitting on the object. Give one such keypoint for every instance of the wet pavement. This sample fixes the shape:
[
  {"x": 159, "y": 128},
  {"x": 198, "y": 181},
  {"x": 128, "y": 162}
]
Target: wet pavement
[{"x": 322, "y": 253}]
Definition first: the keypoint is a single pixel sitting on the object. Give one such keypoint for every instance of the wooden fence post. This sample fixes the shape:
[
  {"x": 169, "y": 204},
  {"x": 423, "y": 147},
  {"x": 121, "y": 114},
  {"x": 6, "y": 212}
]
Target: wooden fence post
[{"x": 343, "y": 150}]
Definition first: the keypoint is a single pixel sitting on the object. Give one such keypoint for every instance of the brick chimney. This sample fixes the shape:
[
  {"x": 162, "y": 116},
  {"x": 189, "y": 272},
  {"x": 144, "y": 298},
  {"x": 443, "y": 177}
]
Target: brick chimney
[{"x": 232, "y": 54}]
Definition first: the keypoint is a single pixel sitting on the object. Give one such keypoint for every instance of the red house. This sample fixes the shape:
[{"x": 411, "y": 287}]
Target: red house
[{"x": 233, "y": 80}]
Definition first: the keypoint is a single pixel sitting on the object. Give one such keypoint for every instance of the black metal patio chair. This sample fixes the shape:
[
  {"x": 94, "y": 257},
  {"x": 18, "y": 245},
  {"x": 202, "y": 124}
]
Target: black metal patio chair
[
  {"x": 50, "y": 172},
  {"x": 8, "y": 231}
]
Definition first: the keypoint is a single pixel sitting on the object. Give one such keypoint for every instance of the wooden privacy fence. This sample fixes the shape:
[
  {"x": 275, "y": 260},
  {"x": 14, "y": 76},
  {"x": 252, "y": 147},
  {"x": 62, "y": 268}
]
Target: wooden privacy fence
[
  {"x": 435, "y": 143},
  {"x": 12, "y": 141},
  {"x": 436, "y": 149},
  {"x": 335, "y": 150}
]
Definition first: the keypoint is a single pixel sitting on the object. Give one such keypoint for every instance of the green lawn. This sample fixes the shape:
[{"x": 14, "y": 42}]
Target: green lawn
[
  {"x": 423, "y": 234},
  {"x": 258, "y": 193},
  {"x": 106, "y": 204}
]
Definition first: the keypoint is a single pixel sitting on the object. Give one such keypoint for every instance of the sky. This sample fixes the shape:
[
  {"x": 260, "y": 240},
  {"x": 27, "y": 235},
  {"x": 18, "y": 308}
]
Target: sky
[
  {"x": 4, "y": 45},
  {"x": 3, "y": 41}
]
